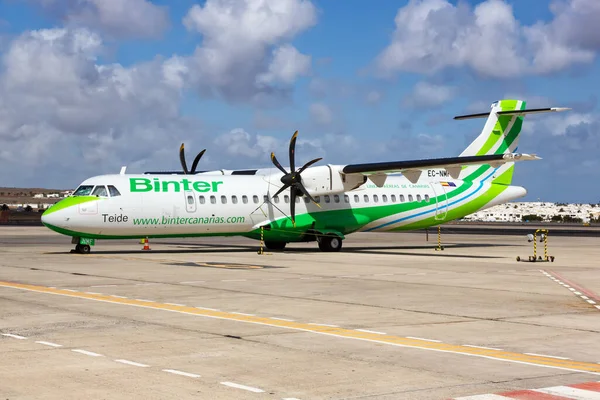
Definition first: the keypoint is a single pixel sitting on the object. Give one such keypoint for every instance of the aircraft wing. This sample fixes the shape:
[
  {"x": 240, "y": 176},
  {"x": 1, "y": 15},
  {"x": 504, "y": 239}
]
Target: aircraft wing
[{"x": 412, "y": 168}]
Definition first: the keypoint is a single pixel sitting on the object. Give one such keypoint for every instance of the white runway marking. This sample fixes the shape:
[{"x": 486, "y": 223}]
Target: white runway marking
[
  {"x": 87, "y": 353},
  {"x": 546, "y": 355},
  {"x": 176, "y": 304},
  {"x": 241, "y": 313},
  {"x": 283, "y": 319},
  {"x": 92, "y": 293},
  {"x": 332, "y": 326},
  {"x": 14, "y": 336},
  {"x": 146, "y": 301},
  {"x": 176, "y": 372},
  {"x": 243, "y": 387},
  {"x": 135, "y": 364},
  {"x": 70, "y": 290},
  {"x": 209, "y": 309},
  {"x": 591, "y": 301},
  {"x": 369, "y": 331},
  {"x": 118, "y": 297},
  {"x": 427, "y": 340},
  {"x": 571, "y": 393},
  {"x": 48, "y": 343}
]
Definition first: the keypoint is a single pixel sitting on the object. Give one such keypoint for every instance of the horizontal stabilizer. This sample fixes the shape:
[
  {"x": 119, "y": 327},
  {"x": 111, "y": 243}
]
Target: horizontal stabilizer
[{"x": 514, "y": 112}]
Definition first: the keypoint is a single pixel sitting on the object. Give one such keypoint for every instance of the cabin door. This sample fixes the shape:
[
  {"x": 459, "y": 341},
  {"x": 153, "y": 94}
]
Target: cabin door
[
  {"x": 190, "y": 201},
  {"x": 441, "y": 201}
]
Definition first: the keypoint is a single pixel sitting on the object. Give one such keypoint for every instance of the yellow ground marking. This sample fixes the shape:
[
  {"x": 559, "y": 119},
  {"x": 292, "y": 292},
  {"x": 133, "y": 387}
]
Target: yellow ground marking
[{"x": 535, "y": 360}]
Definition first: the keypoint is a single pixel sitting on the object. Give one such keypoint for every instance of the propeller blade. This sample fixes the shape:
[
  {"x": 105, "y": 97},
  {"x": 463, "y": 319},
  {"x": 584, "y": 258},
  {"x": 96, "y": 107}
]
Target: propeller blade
[
  {"x": 182, "y": 159},
  {"x": 308, "y": 164},
  {"x": 196, "y": 160},
  {"x": 274, "y": 159},
  {"x": 293, "y": 206},
  {"x": 292, "y": 151},
  {"x": 305, "y": 192},
  {"x": 281, "y": 190}
]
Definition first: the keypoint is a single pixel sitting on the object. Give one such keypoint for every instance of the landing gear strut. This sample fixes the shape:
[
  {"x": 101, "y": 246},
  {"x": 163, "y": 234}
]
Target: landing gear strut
[
  {"x": 275, "y": 245},
  {"x": 330, "y": 243}
]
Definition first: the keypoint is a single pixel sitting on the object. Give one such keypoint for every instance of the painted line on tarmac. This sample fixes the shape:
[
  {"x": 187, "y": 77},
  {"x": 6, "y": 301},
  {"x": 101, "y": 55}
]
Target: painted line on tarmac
[
  {"x": 519, "y": 358},
  {"x": 243, "y": 387},
  {"x": 577, "y": 290}
]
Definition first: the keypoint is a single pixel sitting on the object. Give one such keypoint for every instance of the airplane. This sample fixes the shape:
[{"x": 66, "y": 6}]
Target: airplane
[{"x": 311, "y": 203}]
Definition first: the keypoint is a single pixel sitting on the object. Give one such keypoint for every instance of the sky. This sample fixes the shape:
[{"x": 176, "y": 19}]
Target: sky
[{"x": 88, "y": 86}]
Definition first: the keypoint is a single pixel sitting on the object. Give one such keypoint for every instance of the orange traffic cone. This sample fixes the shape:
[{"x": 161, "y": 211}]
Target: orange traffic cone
[{"x": 146, "y": 245}]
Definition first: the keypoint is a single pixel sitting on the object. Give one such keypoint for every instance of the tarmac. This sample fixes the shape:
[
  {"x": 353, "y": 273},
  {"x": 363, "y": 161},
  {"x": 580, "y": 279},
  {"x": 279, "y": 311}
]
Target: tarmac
[{"x": 388, "y": 317}]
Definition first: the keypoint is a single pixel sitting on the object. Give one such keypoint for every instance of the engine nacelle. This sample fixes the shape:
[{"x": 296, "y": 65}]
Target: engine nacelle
[{"x": 329, "y": 179}]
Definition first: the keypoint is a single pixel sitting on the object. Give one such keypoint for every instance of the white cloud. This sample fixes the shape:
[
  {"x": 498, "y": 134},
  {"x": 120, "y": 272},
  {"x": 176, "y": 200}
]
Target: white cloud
[
  {"x": 245, "y": 54},
  {"x": 432, "y": 35},
  {"x": 118, "y": 18},
  {"x": 373, "y": 97},
  {"x": 426, "y": 95},
  {"x": 62, "y": 114},
  {"x": 287, "y": 65},
  {"x": 321, "y": 113}
]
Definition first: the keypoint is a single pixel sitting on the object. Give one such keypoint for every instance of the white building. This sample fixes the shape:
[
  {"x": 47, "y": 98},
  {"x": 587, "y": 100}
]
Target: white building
[{"x": 514, "y": 212}]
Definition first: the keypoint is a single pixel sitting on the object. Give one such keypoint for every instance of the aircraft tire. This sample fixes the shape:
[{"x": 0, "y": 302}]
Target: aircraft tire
[
  {"x": 330, "y": 243},
  {"x": 275, "y": 245},
  {"x": 83, "y": 249}
]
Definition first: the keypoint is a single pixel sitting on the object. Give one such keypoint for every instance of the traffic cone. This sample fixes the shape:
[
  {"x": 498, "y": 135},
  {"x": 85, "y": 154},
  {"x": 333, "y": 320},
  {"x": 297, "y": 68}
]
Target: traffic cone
[{"x": 146, "y": 244}]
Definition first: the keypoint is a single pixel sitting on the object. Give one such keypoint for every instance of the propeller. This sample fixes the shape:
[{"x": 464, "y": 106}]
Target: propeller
[
  {"x": 293, "y": 179},
  {"x": 184, "y": 164}
]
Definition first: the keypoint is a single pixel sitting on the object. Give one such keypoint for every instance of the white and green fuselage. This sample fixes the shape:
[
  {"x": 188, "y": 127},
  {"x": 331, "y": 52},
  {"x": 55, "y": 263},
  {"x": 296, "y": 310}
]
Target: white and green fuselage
[{"x": 207, "y": 204}]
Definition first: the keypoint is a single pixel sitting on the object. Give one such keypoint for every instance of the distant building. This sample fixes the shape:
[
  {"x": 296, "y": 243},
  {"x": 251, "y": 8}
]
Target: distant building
[{"x": 514, "y": 212}]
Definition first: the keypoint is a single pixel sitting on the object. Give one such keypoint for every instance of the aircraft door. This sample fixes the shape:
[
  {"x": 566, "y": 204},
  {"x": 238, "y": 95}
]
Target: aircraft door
[
  {"x": 441, "y": 200},
  {"x": 190, "y": 201}
]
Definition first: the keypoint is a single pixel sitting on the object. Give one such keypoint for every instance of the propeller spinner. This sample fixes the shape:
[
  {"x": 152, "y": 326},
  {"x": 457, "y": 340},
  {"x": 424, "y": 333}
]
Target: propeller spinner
[
  {"x": 292, "y": 179},
  {"x": 184, "y": 164}
]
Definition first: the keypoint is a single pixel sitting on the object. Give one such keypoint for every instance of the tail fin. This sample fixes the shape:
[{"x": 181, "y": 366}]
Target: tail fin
[{"x": 500, "y": 135}]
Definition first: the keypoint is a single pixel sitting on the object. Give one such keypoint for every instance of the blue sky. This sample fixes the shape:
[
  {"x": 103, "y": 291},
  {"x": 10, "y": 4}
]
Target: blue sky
[{"x": 88, "y": 86}]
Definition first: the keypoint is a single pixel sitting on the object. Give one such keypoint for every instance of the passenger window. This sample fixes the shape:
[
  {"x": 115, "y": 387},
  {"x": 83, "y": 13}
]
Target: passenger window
[
  {"x": 113, "y": 191},
  {"x": 234, "y": 199},
  {"x": 318, "y": 199},
  {"x": 336, "y": 198},
  {"x": 255, "y": 199},
  {"x": 202, "y": 199},
  {"x": 100, "y": 191},
  {"x": 402, "y": 198},
  {"x": 366, "y": 197},
  {"x": 306, "y": 200},
  {"x": 190, "y": 199},
  {"x": 375, "y": 198},
  {"x": 356, "y": 198},
  {"x": 276, "y": 198},
  {"x": 410, "y": 197},
  {"x": 326, "y": 198},
  {"x": 427, "y": 197},
  {"x": 346, "y": 198},
  {"x": 384, "y": 198},
  {"x": 83, "y": 190},
  {"x": 245, "y": 199},
  {"x": 286, "y": 198},
  {"x": 223, "y": 199},
  {"x": 393, "y": 198},
  {"x": 213, "y": 200},
  {"x": 265, "y": 198},
  {"x": 297, "y": 199},
  {"x": 418, "y": 197}
]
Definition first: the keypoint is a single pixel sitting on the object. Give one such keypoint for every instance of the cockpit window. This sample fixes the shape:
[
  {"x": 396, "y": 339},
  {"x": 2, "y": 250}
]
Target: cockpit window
[
  {"x": 100, "y": 191},
  {"x": 113, "y": 191},
  {"x": 83, "y": 190}
]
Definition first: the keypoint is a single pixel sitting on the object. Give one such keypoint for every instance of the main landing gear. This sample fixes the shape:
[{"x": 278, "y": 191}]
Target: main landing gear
[{"x": 330, "y": 243}]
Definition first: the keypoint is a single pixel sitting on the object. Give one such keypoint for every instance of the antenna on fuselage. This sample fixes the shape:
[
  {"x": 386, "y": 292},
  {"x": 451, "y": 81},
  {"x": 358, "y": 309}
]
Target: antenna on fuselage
[{"x": 123, "y": 169}]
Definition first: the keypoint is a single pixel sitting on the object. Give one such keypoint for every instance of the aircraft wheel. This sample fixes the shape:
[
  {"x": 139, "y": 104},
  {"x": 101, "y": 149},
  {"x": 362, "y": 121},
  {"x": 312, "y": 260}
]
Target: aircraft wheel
[
  {"x": 275, "y": 245},
  {"x": 330, "y": 243},
  {"x": 83, "y": 249}
]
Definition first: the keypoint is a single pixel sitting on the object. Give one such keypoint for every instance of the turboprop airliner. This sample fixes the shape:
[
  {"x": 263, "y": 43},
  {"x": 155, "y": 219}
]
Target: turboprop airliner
[{"x": 312, "y": 203}]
